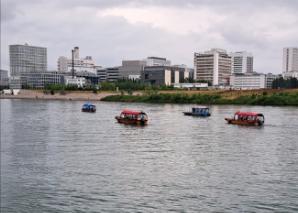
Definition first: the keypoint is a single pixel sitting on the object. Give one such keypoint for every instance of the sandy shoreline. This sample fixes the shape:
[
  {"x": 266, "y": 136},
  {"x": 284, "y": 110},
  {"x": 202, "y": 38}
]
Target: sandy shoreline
[{"x": 69, "y": 95}]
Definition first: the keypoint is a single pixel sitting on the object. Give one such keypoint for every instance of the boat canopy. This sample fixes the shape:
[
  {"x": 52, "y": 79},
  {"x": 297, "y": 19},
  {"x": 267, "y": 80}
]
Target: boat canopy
[
  {"x": 131, "y": 112},
  {"x": 201, "y": 107},
  {"x": 248, "y": 114},
  {"x": 88, "y": 105}
]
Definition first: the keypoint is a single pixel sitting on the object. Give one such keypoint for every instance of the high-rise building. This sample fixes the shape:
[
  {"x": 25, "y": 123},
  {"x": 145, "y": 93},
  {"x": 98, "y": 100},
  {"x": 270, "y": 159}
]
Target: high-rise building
[
  {"x": 26, "y": 59},
  {"x": 242, "y": 62},
  {"x": 76, "y": 53},
  {"x": 290, "y": 60},
  {"x": 213, "y": 66}
]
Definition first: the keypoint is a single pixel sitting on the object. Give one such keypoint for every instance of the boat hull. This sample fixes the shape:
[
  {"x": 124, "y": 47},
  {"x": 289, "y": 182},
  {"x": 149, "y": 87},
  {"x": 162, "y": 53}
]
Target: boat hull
[
  {"x": 88, "y": 110},
  {"x": 197, "y": 115},
  {"x": 131, "y": 121},
  {"x": 244, "y": 123}
]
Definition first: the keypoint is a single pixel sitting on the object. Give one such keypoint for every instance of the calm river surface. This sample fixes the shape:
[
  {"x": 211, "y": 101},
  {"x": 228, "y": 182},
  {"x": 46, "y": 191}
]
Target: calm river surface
[{"x": 54, "y": 158}]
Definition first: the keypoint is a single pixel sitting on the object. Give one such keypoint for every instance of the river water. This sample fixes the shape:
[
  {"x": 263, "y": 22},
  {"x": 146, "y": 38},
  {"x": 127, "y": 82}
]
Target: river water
[{"x": 54, "y": 158}]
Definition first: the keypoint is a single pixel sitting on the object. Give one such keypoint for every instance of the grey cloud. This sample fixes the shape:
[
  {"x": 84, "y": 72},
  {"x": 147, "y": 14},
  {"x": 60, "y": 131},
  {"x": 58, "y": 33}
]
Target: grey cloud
[{"x": 60, "y": 25}]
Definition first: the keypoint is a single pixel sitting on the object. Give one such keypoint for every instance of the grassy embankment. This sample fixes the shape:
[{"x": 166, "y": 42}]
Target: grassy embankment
[{"x": 286, "y": 97}]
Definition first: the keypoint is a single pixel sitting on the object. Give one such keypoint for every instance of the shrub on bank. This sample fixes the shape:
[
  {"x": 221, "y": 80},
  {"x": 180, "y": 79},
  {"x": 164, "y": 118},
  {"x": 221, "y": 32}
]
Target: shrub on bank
[{"x": 275, "y": 99}]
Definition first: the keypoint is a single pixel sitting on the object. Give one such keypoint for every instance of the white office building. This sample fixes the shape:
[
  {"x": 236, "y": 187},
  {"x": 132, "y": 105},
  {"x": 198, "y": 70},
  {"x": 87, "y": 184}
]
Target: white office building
[
  {"x": 213, "y": 66},
  {"x": 242, "y": 62},
  {"x": 80, "y": 64},
  {"x": 252, "y": 81}
]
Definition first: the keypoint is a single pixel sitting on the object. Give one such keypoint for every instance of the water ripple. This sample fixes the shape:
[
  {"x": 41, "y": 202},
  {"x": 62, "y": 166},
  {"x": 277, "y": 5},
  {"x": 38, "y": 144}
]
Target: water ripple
[{"x": 56, "y": 159}]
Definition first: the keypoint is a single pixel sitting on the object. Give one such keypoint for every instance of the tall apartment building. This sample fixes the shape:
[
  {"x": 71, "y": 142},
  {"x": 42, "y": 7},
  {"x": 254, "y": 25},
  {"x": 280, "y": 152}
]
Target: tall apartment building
[
  {"x": 76, "y": 53},
  {"x": 26, "y": 59},
  {"x": 242, "y": 62},
  {"x": 80, "y": 64},
  {"x": 290, "y": 62},
  {"x": 213, "y": 66}
]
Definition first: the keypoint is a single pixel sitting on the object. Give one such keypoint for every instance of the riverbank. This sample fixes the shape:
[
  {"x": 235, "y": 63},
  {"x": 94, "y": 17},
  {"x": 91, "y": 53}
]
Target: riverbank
[
  {"x": 67, "y": 95},
  {"x": 248, "y": 97}
]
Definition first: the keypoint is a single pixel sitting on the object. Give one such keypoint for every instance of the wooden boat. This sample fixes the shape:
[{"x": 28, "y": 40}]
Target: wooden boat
[
  {"x": 88, "y": 107},
  {"x": 247, "y": 118},
  {"x": 199, "y": 111},
  {"x": 132, "y": 117}
]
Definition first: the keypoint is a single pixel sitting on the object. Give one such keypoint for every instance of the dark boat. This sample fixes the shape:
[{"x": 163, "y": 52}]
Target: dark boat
[
  {"x": 88, "y": 107},
  {"x": 199, "y": 111},
  {"x": 247, "y": 118},
  {"x": 132, "y": 117}
]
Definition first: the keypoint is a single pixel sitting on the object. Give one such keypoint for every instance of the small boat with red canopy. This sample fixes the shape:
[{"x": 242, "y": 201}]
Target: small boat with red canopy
[
  {"x": 132, "y": 117},
  {"x": 247, "y": 118}
]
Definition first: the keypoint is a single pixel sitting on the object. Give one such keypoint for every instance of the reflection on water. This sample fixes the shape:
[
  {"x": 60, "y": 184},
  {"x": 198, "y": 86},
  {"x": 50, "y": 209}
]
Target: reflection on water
[{"x": 56, "y": 159}]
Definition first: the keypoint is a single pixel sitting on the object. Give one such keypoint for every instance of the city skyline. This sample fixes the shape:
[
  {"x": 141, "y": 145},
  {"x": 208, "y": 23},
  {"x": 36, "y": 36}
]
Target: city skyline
[{"x": 112, "y": 31}]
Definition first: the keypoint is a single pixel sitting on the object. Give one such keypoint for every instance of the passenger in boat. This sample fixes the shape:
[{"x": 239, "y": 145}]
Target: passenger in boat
[{"x": 142, "y": 117}]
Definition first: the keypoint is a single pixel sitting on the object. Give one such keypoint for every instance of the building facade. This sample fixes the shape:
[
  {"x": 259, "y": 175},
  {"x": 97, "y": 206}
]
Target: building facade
[
  {"x": 290, "y": 59},
  {"x": 63, "y": 64},
  {"x": 132, "y": 69},
  {"x": 41, "y": 79},
  {"x": 86, "y": 64},
  {"x": 248, "y": 81},
  {"x": 164, "y": 75},
  {"x": 75, "y": 81},
  {"x": 157, "y": 61},
  {"x": 4, "y": 80},
  {"x": 109, "y": 74},
  {"x": 242, "y": 62},
  {"x": 269, "y": 80},
  {"x": 213, "y": 66},
  {"x": 25, "y": 59}
]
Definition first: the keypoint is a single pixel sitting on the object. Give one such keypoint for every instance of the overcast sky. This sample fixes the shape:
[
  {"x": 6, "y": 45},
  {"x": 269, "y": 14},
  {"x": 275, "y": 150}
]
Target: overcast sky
[{"x": 112, "y": 30}]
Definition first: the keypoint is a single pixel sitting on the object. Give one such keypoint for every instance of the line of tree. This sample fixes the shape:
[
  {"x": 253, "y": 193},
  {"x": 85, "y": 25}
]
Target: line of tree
[
  {"x": 282, "y": 83},
  {"x": 132, "y": 85}
]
